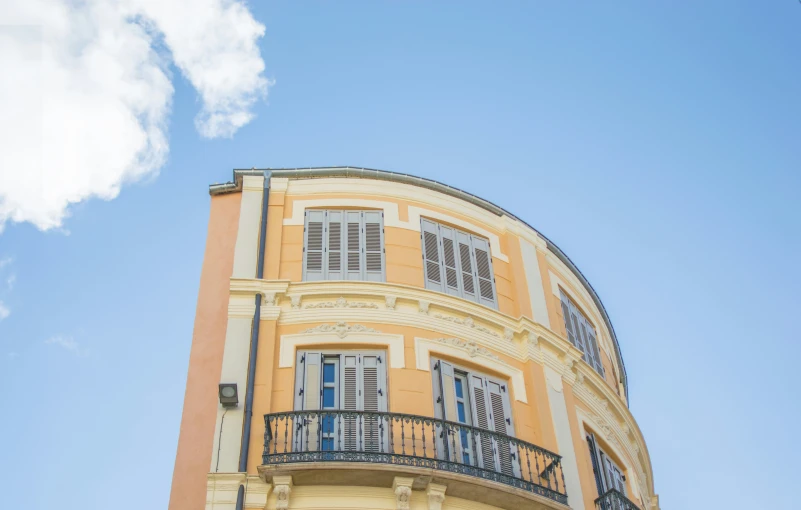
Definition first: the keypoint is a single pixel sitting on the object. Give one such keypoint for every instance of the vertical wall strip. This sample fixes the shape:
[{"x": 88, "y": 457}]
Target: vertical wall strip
[{"x": 254, "y": 343}]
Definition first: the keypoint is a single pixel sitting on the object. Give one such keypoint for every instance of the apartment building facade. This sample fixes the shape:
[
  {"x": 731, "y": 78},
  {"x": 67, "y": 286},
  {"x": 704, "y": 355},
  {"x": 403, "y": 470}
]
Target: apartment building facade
[{"x": 369, "y": 339}]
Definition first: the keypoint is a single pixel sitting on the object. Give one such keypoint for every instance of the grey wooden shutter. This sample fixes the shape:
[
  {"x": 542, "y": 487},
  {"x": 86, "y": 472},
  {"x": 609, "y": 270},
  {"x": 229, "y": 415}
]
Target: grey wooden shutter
[
  {"x": 444, "y": 405},
  {"x": 350, "y": 399},
  {"x": 486, "y": 278},
  {"x": 592, "y": 343},
  {"x": 313, "y": 253},
  {"x": 374, "y": 246},
  {"x": 334, "y": 246},
  {"x": 373, "y": 399},
  {"x": 481, "y": 411},
  {"x": 571, "y": 335},
  {"x": 502, "y": 424},
  {"x": 431, "y": 255},
  {"x": 596, "y": 463},
  {"x": 307, "y": 397},
  {"x": 466, "y": 266},
  {"x": 448, "y": 239},
  {"x": 353, "y": 237}
]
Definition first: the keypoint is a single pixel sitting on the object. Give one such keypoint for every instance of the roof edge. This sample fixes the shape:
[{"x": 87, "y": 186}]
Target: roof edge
[{"x": 386, "y": 175}]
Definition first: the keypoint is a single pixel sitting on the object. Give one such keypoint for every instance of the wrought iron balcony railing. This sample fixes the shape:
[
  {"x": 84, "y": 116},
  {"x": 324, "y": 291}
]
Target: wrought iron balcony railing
[
  {"x": 614, "y": 500},
  {"x": 410, "y": 440}
]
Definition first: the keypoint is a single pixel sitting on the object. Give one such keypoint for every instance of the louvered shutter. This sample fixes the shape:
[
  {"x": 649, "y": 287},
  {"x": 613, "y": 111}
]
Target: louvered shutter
[
  {"x": 334, "y": 246},
  {"x": 574, "y": 318},
  {"x": 350, "y": 399},
  {"x": 466, "y": 267},
  {"x": 313, "y": 253},
  {"x": 571, "y": 335},
  {"x": 448, "y": 239},
  {"x": 374, "y": 246},
  {"x": 486, "y": 279},
  {"x": 592, "y": 340},
  {"x": 431, "y": 255},
  {"x": 481, "y": 410},
  {"x": 353, "y": 242},
  {"x": 372, "y": 400},
  {"x": 502, "y": 423}
]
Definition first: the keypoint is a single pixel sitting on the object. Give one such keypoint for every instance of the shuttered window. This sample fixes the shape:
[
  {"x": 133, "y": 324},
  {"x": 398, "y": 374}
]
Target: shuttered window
[
  {"x": 348, "y": 381},
  {"x": 457, "y": 263},
  {"x": 341, "y": 381},
  {"x": 343, "y": 245},
  {"x": 608, "y": 474},
  {"x": 475, "y": 399},
  {"x": 581, "y": 333}
]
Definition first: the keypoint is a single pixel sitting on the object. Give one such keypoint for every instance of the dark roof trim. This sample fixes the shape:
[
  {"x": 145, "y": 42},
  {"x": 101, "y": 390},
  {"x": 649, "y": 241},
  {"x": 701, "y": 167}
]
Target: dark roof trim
[{"x": 385, "y": 175}]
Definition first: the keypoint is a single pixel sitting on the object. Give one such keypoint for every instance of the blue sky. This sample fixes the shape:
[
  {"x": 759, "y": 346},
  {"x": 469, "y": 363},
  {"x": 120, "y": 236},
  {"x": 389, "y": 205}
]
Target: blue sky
[{"x": 658, "y": 145}]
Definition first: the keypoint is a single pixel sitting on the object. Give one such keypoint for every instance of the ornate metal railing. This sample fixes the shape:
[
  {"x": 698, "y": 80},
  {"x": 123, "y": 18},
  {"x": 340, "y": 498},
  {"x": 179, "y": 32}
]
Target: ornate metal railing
[
  {"x": 614, "y": 500},
  {"x": 410, "y": 440}
]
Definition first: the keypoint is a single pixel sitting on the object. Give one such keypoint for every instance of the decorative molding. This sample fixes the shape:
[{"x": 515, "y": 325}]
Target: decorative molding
[
  {"x": 402, "y": 487},
  {"x": 283, "y": 489},
  {"x": 508, "y": 334},
  {"x": 269, "y": 298},
  {"x": 423, "y": 348},
  {"x": 341, "y": 329},
  {"x": 533, "y": 339},
  {"x": 424, "y": 306},
  {"x": 467, "y": 322},
  {"x": 290, "y": 344},
  {"x": 296, "y": 300},
  {"x": 341, "y": 303},
  {"x": 436, "y": 496},
  {"x": 472, "y": 348},
  {"x": 390, "y": 302}
]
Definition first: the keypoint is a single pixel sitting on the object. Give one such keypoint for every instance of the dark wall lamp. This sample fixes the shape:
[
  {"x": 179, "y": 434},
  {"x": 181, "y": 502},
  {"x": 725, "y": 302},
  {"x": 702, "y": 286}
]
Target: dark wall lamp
[{"x": 229, "y": 396}]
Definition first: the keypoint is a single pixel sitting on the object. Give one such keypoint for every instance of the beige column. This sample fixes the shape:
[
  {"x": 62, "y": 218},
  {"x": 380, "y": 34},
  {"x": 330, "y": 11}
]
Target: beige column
[
  {"x": 564, "y": 439},
  {"x": 228, "y": 429}
]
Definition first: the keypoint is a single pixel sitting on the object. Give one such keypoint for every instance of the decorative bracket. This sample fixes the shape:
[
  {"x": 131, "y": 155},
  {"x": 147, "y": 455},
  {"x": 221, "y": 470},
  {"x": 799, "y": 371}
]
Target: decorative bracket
[{"x": 402, "y": 487}]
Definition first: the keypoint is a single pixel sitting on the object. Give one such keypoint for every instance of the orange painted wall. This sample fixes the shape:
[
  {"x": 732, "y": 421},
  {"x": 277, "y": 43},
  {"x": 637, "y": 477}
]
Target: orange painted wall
[{"x": 205, "y": 358}]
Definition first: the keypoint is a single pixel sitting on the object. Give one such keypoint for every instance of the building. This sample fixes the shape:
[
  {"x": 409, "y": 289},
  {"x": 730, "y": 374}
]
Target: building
[{"x": 369, "y": 339}]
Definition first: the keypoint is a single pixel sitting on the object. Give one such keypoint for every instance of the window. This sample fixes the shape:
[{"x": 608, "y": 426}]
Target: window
[
  {"x": 341, "y": 381},
  {"x": 608, "y": 474},
  {"x": 479, "y": 401},
  {"x": 581, "y": 333},
  {"x": 458, "y": 263},
  {"x": 343, "y": 245}
]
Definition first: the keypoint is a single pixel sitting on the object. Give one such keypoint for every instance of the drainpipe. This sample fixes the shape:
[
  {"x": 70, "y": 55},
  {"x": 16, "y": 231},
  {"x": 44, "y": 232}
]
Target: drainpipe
[{"x": 254, "y": 344}]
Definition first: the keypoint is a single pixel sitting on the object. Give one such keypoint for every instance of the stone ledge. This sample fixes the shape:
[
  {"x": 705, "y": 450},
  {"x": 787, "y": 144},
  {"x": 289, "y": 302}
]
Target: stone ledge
[{"x": 383, "y": 475}]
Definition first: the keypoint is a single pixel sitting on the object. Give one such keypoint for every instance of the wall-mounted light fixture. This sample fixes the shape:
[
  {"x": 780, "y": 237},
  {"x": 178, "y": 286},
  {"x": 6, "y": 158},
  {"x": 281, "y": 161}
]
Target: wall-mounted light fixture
[{"x": 229, "y": 395}]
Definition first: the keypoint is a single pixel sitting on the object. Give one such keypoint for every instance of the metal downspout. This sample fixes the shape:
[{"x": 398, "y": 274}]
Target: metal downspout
[{"x": 254, "y": 345}]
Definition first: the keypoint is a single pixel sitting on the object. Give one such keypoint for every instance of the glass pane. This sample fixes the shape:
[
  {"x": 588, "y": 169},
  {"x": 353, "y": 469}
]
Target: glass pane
[
  {"x": 460, "y": 411},
  {"x": 459, "y": 392},
  {"x": 328, "y": 398},
  {"x": 328, "y": 424},
  {"x": 329, "y": 372}
]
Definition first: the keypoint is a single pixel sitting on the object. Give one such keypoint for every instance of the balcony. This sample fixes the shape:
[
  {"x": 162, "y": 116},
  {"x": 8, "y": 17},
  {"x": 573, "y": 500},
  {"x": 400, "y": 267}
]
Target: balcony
[
  {"x": 614, "y": 500},
  {"x": 370, "y": 448}
]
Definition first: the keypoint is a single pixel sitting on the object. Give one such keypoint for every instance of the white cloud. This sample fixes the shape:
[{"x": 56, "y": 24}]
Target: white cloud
[
  {"x": 4, "y": 311},
  {"x": 4, "y": 262},
  {"x": 67, "y": 343},
  {"x": 10, "y": 282},
  {"x": 85, "y": 91}
]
